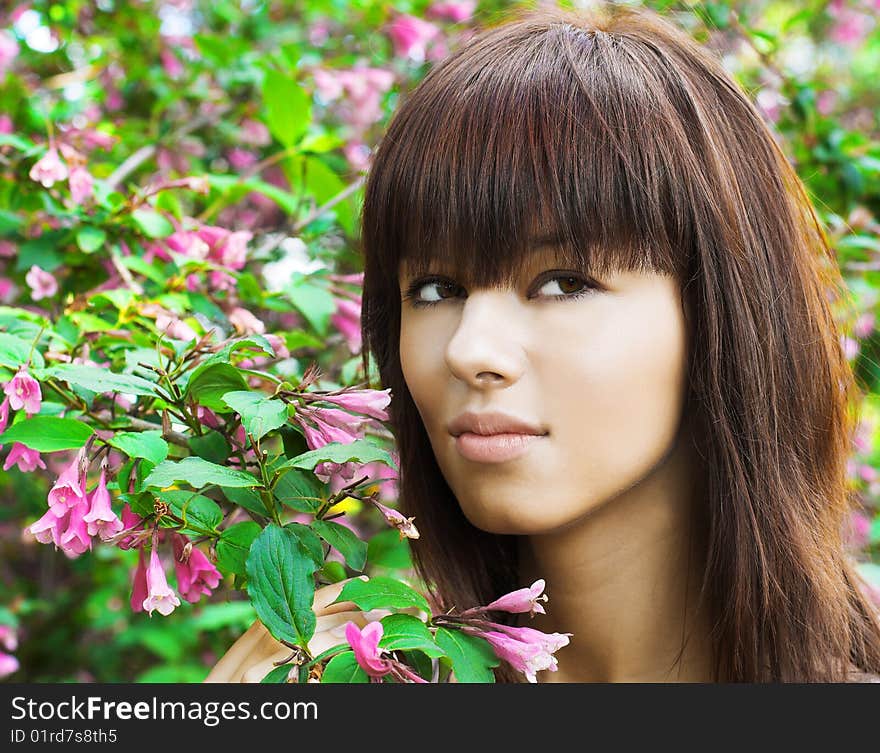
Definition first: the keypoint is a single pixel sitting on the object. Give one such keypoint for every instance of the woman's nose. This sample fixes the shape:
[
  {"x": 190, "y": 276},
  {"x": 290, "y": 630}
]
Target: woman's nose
[{"x": 486, "y": 348}]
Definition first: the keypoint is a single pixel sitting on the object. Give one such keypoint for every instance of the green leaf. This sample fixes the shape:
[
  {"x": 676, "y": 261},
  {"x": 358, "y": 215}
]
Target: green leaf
[
  {"x": 405, "y": 632},
  {"x": 141, "y": 444},
  {"x": 48, "y": 433},
  {"x": 197, "y": 473},
  {"x": 211, "y": 446},
  {"x": 101, "y": 380},
  {"x": 360, "y": 451},
  {"x": 472, "y": 657},
  {"x": 309, "y": 541},
  {"x": 299, "y": 491},
  {"x": 14, "y": 352},
  {"x": 193, "y": 509},
  {"x": 333, "y": 571},
  {"x": 288, "y": 108},
  {"x": 249, "y": 499},
  {"x": 281, "y": 585},
  {"x": 87, "y": 322},
  {"x": 259, "y": 413},
  {"x": 90, "y": 239},
  {"x": 278, "y": 675},
  {"x": 234, "y": 544},
  {"x": 344, "y": 541},
  {"x": 382, "y": 592},
  {"x": 209, "y": 383},
  {"x": 386, "y": 549},
  {"x": 343, "y": 668},
  {"x": 315, "y": 303},
  {"x": 151, "y": 223}
]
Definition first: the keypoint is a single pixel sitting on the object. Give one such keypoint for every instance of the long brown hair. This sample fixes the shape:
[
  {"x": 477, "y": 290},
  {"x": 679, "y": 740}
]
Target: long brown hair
[{"x": 618, "y": 134}]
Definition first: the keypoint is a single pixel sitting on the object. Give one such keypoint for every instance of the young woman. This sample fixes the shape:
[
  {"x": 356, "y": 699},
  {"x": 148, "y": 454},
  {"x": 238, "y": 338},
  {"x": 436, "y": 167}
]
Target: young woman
[{"x": 601, "y": 299}]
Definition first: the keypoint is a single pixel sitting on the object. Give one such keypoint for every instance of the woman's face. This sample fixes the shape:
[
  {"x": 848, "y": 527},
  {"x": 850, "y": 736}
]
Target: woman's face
[{"x": 596, "y": 369}]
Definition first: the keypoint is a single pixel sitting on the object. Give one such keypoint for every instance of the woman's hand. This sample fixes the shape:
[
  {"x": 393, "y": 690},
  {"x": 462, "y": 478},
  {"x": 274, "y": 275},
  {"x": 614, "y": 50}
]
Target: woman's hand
[{"x": 251, "y": 657}]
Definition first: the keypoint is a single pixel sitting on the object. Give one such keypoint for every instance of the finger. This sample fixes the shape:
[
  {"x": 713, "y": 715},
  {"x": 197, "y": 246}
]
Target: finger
[
  {"x": 257, "y": 671},
  {"x": 228, "y": 668}
]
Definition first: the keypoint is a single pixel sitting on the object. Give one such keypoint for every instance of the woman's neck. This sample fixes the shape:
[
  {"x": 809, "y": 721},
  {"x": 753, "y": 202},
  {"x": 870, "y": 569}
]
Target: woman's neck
[{"x": 624, "y": 580}]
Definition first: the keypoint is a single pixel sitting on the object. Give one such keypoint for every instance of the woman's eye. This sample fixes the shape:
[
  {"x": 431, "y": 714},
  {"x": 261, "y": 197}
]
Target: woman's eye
[
  {"x": 434, "y": 290},
  {"x": 562, "y": 287}
]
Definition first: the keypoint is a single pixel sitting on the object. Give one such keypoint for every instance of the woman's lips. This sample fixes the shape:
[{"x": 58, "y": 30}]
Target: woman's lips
[{"x": 494, "y": 448}]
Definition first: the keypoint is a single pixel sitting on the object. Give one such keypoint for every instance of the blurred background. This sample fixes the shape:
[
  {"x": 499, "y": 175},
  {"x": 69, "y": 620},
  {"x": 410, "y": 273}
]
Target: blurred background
[{"x": 146, "y": 92}]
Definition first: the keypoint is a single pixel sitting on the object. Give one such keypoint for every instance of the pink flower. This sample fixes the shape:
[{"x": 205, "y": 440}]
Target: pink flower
[
  {"x": 159, "y": 594},
  {"x": 175, "y": 328},
  {"x": 196, "y": 576},
  {"x": 325, "y": 433},
  {"x": 130, "y": 521},
  {"x": 188, "y": 244},
  {"x": 23, "y": 391},
  {"x": 374, "y": 660},
  {"x": 254, "y": 133},
  {"x": 6, "y": 125},
  {"x": 8, "y": 664},
  {"x": 8, "y": 51},
  {"x": 398, "y": 521},
  {"x": 4, "y": 415},
  {"x": 245, "y": 322},
  {"x": 410, "y": 36},
  {"x": 455, "y": 12},
  {"x": 48, "y": 169},
  {"x": 347, "y": 320},
  {"x": 24, "y": 457},
  {"x": 521, "y": 600},
  {"x": 241, "y": 159},
  {"x": 101, "y": 519},
  {"x": 8, "y": 637},
  {"x": 139, "y": 584},
  {"x": 365, "y": 644},
  {"x": 49, "y": 528},
  {"x": 368, "y": 402},
  {"x": 76, "y": 540},
  {"x": 279, "y": 346},
  {"x": 8, "y": 249},
  {"x": 526, "y": 652},
  {"x": 42, "y": 283},
  {"x": 68, "y": 489},
  {"x": 81, "y": 185},
  {"x": 864, "y": 325},
  {"x": 233, "y": 251}
]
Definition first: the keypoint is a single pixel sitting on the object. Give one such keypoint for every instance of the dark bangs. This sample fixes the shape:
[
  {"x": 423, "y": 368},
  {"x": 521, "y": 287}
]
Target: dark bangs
[{"x": 540, "y": 133}]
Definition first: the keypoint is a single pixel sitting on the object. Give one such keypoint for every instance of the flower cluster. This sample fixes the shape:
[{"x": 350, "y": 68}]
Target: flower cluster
[{"x": 527, "y": 650}]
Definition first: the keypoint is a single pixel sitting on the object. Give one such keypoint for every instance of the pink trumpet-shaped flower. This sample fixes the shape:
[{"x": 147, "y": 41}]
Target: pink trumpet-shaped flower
[
  {"x": 130, "y": 521},
  {"x": 49, "y": 528},
  {"x": 4, "y": 414},
  {"x": 139, "y": 584},
  {"x": 366, "y": 648},
  {"x": 23, "y": 391},
  {"x": 196, "y": 576},
  {"x": 48, "y": 169},
  {"x": 396, "y": 520},
  {"x": 100, "y": 519},
  {"x": 347, "y": 320},
  {"x": 68, "y": 490},
  {"x": 322, "y": 433},
  {"x": 76, "y": 540},
  {"x": 452, "y": 11},
  {"x": 81, "y": 185},
  {"x": 410, "y": 36},
  {"x": 42, "y": 283},
  {"x": 159, "y": 594},
  {"x": 527, "y": 658},
  {"x": 367, "y": 402},
  {"x": 8, "y": 664},
  {"x": 521, "y": 600},
  {"x": 24, "y": 457}
]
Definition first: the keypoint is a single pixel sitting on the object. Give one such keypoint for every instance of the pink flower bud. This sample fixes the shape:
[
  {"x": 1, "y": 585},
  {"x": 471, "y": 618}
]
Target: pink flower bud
[{"x": 521, "y": 600}]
